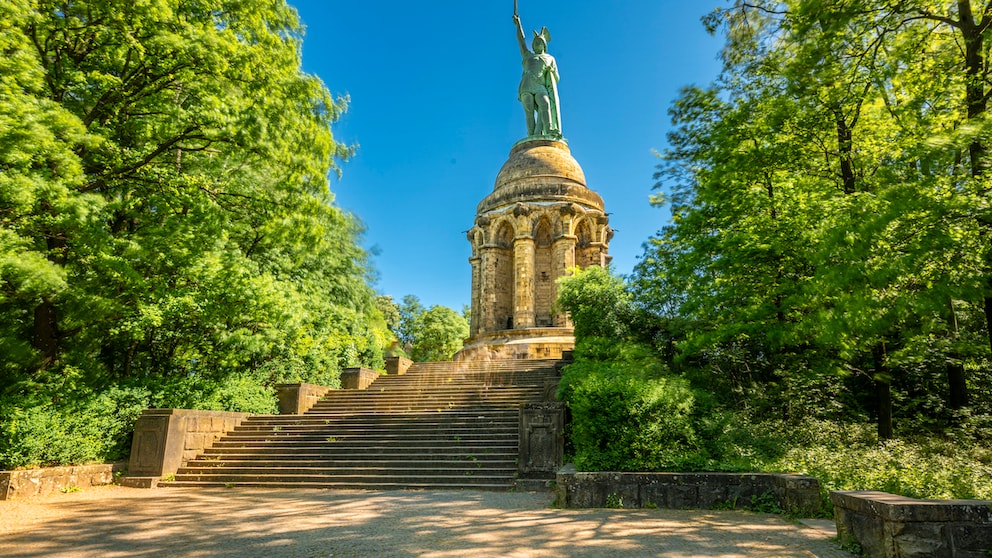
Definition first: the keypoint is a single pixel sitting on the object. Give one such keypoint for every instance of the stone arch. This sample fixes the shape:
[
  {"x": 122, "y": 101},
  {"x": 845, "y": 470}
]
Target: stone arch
[
  {"x": 585, "y": 250},
  {"x": 544, "y": 272},
  {"x": 583, "y": 233},
  {"x": 503, "y": 274},
  {"x": 504, "y": 233}
]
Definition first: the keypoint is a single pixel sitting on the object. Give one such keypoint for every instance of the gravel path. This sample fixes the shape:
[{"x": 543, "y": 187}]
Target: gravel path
[{"x": 240, "y": 522}]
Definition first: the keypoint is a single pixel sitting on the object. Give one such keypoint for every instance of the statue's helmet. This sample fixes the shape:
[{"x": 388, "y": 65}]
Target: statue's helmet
[{"x": 542, "y": 39}]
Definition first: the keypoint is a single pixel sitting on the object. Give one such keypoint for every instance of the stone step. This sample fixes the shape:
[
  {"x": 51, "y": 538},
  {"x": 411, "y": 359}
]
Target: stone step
[
  {"x": 285, "y": 462},
  {"x": 373, "y": 437},
  {"x": 439, "y": 426},
  {"x": 352, "y": 427},
  {"x": 466, "y": 484},
  {"x": 387, "y": 469},
  {"x": 354, "y": 479},
  {"x": 437, "y": 444},
  {"x": 392, "y": 452},
  {"x": 456, "y": 394},
  {"x": 379, "y": 421}
]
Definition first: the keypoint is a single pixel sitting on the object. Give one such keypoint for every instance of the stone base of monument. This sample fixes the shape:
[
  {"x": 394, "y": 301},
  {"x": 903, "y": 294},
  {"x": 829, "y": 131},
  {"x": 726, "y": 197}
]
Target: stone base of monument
[{"x": 529, "y": 343}]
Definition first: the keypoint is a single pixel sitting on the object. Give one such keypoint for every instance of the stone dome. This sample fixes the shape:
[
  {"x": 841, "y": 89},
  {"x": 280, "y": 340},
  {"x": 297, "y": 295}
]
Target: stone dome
[
  {"x": 540, "y": 159},
  {"x": 540, "y": 171}
]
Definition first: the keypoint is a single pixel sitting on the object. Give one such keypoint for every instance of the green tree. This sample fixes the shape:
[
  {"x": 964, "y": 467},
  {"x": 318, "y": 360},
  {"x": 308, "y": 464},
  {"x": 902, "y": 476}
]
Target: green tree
[
  {"x": 825, "y": 232},
  {"x": 165, "y": 210},
  {"x": 430, "y": 334}
]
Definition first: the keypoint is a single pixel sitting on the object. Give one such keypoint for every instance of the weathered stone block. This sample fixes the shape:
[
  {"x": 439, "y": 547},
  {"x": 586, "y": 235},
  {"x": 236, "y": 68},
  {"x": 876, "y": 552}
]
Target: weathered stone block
[
  {"x": 541, "y": 439},
  {"x": 358, "y": 378},
  {"x": 889, "y": 526},
  {"x": 38, "y": 482},
  {"x": 296, "y": 399},
  {"x": 165, "y": 438},
  {"x": 686, "y": 490},
  {"x": 397, "y": 366}
]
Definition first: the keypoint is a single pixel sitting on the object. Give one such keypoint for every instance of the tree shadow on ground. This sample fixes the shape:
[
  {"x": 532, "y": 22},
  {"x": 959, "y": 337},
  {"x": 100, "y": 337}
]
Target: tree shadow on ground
[{"x": 242, "y": 522}]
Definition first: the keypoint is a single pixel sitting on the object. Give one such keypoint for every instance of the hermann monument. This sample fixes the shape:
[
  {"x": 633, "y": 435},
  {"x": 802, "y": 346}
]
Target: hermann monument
[{"x": 540, "y": 221}]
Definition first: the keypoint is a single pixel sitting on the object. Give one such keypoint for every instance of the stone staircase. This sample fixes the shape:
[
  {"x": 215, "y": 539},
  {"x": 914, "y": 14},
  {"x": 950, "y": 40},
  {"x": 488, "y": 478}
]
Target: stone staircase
[{"x": 444, "y": 425}]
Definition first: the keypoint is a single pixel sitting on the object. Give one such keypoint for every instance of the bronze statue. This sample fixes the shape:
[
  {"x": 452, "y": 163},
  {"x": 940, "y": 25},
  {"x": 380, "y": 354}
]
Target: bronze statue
[{"x": 539, "y": 84}]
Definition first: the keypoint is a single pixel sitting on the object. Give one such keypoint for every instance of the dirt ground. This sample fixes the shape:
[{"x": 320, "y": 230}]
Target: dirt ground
[{"x": 240, "y": 522}]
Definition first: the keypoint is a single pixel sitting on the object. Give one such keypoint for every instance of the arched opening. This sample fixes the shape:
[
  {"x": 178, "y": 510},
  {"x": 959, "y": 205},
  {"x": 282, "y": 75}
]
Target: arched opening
[
  {"x": 544, "y": 274},
  {"x": 503, "y": 277},
  {"x": 585, "y": 254}
]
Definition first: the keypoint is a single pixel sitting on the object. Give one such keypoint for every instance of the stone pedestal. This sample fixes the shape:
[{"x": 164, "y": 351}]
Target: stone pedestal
[
  {"x": 358, "y": 378},
  {"x": 542, "y": 439},
  {"x": 296, "y": 399},
  {"x": 165, "y": 439},
  {"x": 890, "y": 526}
]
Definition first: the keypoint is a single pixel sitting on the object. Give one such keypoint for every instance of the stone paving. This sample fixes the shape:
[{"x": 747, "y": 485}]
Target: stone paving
[{"x": 241, "y": 522}]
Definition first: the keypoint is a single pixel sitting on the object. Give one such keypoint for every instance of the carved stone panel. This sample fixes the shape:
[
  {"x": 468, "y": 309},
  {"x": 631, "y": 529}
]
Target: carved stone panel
[{"x": 542, "y": 442}]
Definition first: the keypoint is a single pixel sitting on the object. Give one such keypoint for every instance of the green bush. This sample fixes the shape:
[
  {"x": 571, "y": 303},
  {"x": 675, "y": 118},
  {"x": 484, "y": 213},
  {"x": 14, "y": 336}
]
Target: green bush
[
  {"x": 87, "y": 428},
  {"x": 627, "y": 414},
  {"x": 242, "y": 394}
]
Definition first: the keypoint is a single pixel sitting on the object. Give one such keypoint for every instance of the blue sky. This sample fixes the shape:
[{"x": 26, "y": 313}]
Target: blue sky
[{"x": 434, "y": 113}]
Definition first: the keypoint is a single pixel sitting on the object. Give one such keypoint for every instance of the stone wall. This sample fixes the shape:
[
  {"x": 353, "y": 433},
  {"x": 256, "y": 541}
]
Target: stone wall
[
  {"x": 686, "y": 490},
  {"x": 165, "y": 439},
  {"x": 889, "y": 526},
  {"x": 38, "y": 482}
]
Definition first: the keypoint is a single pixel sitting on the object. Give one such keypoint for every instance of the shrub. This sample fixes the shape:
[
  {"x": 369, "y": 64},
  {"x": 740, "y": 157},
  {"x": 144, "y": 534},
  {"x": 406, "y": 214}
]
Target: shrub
[
  {"x": 627, "y": 415},
  {"x": 88, "y": 428}
]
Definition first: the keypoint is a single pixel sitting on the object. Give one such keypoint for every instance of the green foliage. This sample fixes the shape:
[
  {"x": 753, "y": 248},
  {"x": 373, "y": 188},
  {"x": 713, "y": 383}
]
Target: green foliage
[
  {"x": 852, "y": 458},
  {"x": 626, "y": 417},
  {"x": 766, "y": 502},
  {"x": 596, "y": 301},
  {"x": 85, "y": 427},
  {"x": 614, "y": 501},
  {"x": 165, "y": 217},
  {"x": 827, "y": 252},
  {"x": 430, "y": 334}
]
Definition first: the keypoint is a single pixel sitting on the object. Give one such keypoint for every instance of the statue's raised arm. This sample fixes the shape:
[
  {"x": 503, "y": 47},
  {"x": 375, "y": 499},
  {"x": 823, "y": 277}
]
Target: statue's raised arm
[
  {"x": 539, "y": 85},
  {"x": 521, "y": 37}
]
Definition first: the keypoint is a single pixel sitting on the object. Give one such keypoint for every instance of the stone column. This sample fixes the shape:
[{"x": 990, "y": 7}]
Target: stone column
[
  {"x": 562, "y": 259},
  {"x": 487, "y": 291},
  {"x": 476, "y": 305},
  {"x": 523, "y": 292}
]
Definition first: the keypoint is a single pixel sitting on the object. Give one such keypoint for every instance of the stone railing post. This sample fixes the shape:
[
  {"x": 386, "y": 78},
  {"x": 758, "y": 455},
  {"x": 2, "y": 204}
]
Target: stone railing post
[
  {"x": 542, "y": 439},
  {"x": 165, "y": 439},
  {"x": 358, "y": 378},
  {"x": 296, "y": 399},
  {"x": 397, "y": 366}
]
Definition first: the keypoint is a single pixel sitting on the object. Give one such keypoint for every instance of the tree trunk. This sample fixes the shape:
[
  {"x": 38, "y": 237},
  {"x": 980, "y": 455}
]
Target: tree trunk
[
  {"x": 45, "y": 334},
  {"x": 977, "y": 104},
  {"x": 883, "y": 390},
  {"x": 845, "y": 147},
  {"x": 957, "y": 384}
]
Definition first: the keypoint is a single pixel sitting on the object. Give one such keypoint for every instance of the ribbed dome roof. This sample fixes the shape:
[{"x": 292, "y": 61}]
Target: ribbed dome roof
[{"x": 540, "y": 159}]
